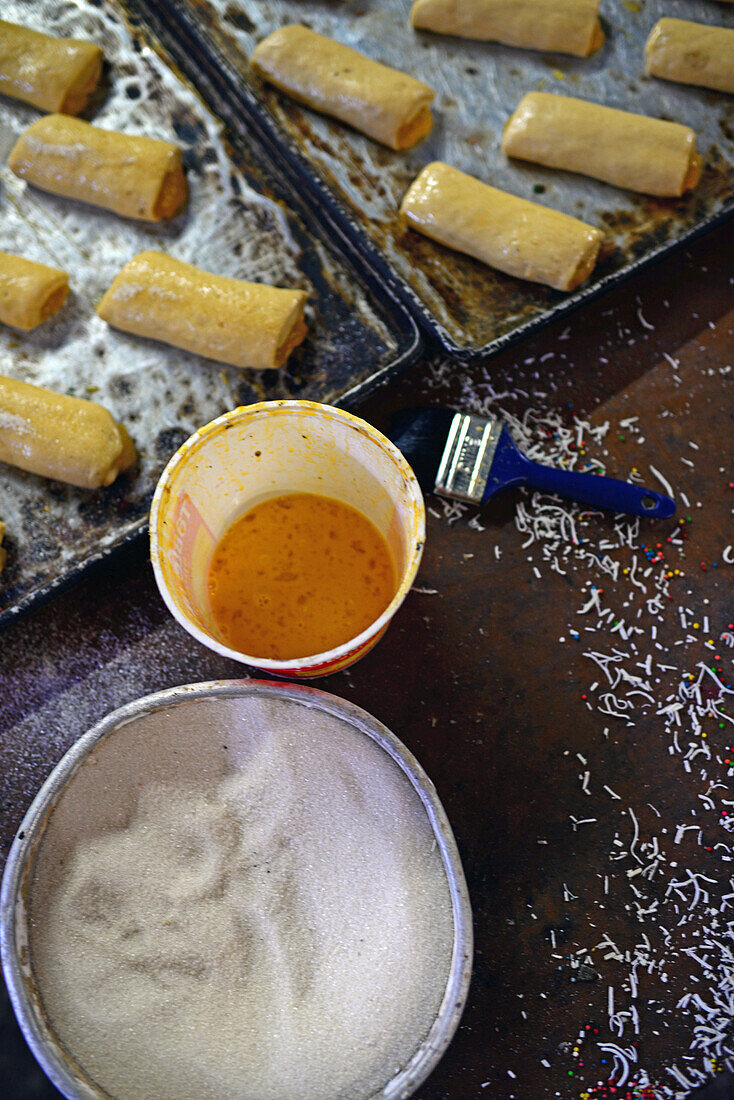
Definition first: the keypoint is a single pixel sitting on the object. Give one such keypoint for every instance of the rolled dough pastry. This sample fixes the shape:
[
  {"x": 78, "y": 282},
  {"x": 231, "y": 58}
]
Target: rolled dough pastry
[
  {"x": 511, "y": 234},
  {"x": 383, "y": 103},
  {"x": 560, "y": 26},
  {"x": 691, "y": 53},
  {"x": 61, "y": 437},
  {"x": 245, "y": 324},
  {"x": 53, "y": 74},
  {"x": 29, "y": 292},
  {"x": 628, "y": 150},
  {"x": 136, "y": 177}
]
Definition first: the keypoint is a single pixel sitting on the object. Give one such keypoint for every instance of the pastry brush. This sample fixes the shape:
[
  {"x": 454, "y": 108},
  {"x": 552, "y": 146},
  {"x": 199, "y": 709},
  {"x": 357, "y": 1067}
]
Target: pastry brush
[{"x": 470, "y": 458}]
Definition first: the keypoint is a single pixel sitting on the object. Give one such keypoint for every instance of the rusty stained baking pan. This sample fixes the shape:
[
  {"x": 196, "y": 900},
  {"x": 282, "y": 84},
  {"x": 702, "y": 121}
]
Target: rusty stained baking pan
[
  {"x": 238, "y": 222},
  {"x": 473, "y": 310}
]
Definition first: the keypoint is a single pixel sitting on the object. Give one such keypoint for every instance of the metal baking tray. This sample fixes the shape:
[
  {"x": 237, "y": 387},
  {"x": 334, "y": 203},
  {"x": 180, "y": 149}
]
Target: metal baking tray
[
  {"x": 473, "y": 310},
  {"x": 240, "y": 221}
]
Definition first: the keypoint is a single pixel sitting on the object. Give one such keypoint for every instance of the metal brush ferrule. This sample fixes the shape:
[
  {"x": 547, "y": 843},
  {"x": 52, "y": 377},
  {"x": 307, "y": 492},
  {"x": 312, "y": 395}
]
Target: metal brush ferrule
[{"x": 467, "y": 457}]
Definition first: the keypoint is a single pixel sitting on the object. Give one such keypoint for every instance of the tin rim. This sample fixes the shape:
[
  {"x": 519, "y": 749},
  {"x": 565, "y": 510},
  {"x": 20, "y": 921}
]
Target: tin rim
[
  {"x": 328, "y": 660},
  {"x": 65, "y": 1074}
]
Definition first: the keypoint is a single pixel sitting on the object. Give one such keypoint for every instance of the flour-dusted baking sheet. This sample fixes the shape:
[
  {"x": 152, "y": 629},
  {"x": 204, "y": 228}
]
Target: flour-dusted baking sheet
[
  {"x": 161, "y": 394},
  {"x": 471, "y": 308}
]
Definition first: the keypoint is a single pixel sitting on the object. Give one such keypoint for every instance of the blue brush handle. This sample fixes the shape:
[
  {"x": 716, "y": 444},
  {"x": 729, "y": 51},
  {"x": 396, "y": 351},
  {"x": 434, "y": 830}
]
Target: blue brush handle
[
  {"x": 511, "y": 467},
  {"x": 602, "y": 492}
]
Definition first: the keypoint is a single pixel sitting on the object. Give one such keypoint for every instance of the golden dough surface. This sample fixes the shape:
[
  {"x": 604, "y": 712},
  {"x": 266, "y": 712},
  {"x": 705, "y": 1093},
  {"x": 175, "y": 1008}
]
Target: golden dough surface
[
  {"x": 233, "y": 321},
  {"x": 561, "y": 26},
  {"x": 628, "y": 150},
  {"x": 61, "y": 437},
  {"x": 384, "y": 103},
  {"x": 53, "y": 74},
  {"x": 691, "y": 53},
  {"x": 521, "y": 238},
  {"x": 128, "y": 174},
  {"x": 29, "y": 292}
]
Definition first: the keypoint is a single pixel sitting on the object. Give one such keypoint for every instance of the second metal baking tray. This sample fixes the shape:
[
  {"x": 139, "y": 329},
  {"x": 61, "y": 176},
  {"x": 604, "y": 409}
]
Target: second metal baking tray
[{"x": 473, "y": 310}]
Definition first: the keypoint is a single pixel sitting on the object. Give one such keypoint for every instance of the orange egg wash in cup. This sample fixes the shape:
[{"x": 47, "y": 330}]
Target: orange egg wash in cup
[
  {"x": 299, "y": 574},
  {"x": 285, "y": 535}
]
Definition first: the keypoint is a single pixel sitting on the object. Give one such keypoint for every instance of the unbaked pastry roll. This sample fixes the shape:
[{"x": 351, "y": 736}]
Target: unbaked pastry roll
[
  {"x": 245, "y": 324},
  {"x": 136, "y": 177},
  {"x": 383, "y": 103},
  {"x": 53, "y": 74},
  {"x": 559, "y": 26},
  {"x": 29, "y": 292},
  {"x": 691, "y": 53},
  {"x": 628, "y": 150},
  {"x": 511, "y": 234},
  {"x": 62, "y": 437}
]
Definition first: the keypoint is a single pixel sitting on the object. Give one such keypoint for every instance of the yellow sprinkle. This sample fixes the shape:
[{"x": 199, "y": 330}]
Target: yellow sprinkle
[
  {"x": 632, "y": 5},
  {"x": 695, "y": 626},
  {"x": 558, "y": 74}
]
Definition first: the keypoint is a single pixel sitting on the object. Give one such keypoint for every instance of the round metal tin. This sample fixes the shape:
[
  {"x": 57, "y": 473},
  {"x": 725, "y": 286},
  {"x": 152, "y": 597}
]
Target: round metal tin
[{"x": 70, "y": 1078}]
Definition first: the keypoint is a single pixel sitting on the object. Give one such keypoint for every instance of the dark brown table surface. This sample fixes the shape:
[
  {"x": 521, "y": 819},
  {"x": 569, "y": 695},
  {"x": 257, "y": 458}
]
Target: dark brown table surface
[{"x": 591, "y": 810}]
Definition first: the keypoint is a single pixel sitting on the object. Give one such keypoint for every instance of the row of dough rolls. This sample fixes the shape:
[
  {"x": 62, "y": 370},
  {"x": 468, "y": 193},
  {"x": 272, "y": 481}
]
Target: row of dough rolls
[
  {"x": 53, "y": 74},
  {"x": 531, "y": 241},
  {"x": 246, "y": 324},
  {"x": 46, "y": 433},
  {"x": 677, "y": 49},
  {"x": 510, "y": 234},
  {"x": 513, "y": 235},
  {"x": 62, "y": 437},
  {"x": 154, "y": 295}
]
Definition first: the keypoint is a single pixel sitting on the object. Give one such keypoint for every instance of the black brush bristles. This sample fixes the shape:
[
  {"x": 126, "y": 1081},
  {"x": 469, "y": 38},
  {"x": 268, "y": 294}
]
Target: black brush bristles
[{"x": 421, "y": 434}]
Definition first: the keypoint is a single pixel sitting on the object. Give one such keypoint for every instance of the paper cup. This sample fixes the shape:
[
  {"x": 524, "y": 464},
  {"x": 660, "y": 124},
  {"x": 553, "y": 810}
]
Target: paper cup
[{"x": 267, "y": 450}]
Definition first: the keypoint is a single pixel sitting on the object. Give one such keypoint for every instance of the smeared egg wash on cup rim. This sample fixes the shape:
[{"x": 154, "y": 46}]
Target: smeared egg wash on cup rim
[{"x": 255, "y": 454}]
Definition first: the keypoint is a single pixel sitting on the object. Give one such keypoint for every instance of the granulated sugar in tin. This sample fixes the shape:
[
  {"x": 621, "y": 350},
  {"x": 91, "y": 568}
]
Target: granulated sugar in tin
[{"x": 240, "y": 899}]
